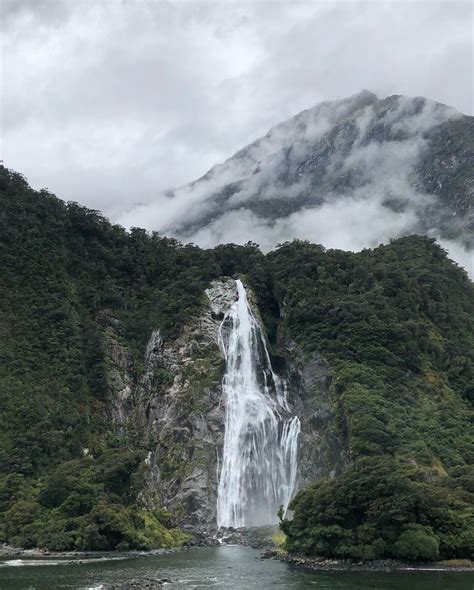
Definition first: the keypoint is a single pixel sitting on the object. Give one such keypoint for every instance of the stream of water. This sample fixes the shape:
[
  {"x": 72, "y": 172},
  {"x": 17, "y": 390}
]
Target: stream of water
[
  {"x": 214, "y": 568},
  {"x": 260, "y": 441},
  {"x": 257, "y": 476}
]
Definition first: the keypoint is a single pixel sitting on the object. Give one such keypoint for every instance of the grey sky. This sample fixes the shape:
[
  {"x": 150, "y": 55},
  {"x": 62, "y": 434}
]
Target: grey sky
[{"x": 108, "y": 102}]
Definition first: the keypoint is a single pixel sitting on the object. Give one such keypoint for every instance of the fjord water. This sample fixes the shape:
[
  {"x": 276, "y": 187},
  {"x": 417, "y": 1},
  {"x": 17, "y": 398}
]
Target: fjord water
[
  {"x": 258, "y": 470},
  {"x": 257, "y": 476},
  {"x": 216, "y": 568}
]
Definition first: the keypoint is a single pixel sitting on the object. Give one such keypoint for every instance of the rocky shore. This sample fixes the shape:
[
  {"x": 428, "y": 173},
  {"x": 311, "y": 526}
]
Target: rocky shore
[
  {"x": 145, "y": 583},
  {"x": 264, "y": 538},
  {"x": 257, "y": 538},
  {"x": 10, "y": 551},
  {"x": 387, "y": 565}
]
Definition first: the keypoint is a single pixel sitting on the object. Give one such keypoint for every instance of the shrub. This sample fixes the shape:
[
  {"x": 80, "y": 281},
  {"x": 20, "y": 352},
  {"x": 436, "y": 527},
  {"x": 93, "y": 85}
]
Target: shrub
[
  {"x": 417, "y": 543},
  {"x": 381, "y": 507}
]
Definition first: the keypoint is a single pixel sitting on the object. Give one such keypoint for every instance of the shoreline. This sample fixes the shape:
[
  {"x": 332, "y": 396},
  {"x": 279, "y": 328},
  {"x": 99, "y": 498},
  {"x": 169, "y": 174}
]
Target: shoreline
[
  {"x": 7, "y": 551},
  {"x": 328, "y": 564},
  {"x": 153, "y": 578},
  {"x": 323, "y": 564}
]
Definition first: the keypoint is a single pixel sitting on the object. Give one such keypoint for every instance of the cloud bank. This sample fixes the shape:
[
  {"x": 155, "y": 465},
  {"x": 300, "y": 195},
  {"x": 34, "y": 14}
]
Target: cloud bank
[
  {"x": 110, "y": 103},
  {"x": 344, "y": 173}
]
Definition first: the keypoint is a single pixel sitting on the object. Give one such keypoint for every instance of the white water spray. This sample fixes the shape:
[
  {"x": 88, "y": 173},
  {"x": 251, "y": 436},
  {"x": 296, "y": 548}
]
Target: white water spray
[{"x": 260, "y": 442}]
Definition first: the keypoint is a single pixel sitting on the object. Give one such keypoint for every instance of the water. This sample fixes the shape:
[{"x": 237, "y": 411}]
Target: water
[
  {"x": 216, "y": 568},
  {"x": 260, "y": 442}
]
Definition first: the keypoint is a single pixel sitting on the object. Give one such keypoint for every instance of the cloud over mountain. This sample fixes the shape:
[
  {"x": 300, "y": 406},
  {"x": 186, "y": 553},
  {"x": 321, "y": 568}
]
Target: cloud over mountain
[
  {"x": 348, "y": 174},
  {"x": 109, "y": 103}
]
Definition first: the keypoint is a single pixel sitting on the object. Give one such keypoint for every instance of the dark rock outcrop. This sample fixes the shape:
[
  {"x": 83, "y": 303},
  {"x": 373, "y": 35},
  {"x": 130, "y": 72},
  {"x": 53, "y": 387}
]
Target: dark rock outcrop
[
  {"x": 175, "y": 407},
  {"x": 320, "y": 452},
  {"x": 179, "y": 410}
]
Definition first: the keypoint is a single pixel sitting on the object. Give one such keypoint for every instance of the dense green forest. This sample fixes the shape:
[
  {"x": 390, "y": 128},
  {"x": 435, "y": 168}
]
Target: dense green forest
[
  {"x": 395, "y": 323},
  {"x": 386, "y": 507},
  {"x": 66, "y": 273}
]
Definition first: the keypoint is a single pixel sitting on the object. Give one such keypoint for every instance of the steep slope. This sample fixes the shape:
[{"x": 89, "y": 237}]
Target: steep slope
[
  {"x": 79, "y": 299},
  {"x": 399, "y": 343},
  {"x": 347, "y": 173},
  {"x": 398, "y": 335},
  {"x": 111, "y": 371}
]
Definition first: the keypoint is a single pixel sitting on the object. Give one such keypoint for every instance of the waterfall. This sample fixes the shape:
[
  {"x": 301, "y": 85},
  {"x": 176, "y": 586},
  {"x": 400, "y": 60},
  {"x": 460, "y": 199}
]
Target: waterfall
[{"x": 258, "y": 470}]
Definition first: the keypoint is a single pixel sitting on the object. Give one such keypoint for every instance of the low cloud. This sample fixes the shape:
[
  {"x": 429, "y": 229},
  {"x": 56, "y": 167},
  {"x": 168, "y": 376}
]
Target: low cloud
[
  {"x": 351, "y": 224},
  {"x": 111, "y": 102},
  {"x": 342, "y": 224},
  {"x": 459, "y": 254},
  {"x": 363, "y": 187}
]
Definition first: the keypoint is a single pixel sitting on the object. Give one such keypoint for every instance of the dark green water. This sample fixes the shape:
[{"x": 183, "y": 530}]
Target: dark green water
[{"x": 229, "y": 568}]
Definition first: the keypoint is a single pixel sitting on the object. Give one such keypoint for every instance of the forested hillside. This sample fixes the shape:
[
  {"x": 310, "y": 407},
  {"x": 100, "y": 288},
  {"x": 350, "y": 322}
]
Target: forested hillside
[
  {"x": 395, "y": 324},
  {"x": 67, "y": 274}
]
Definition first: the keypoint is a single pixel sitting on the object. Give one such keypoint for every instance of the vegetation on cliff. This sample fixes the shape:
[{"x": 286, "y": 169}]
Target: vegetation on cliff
[
  {"x": 69, "y": 277},
  {"x": 84, "y": 504},
  {"x": 381, "y": 507},
  {"x": 396, "y": 324}
]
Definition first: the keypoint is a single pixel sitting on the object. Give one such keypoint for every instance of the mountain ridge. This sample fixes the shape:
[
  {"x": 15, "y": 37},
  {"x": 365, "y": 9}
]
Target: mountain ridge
[
  {"x": 111, "y": 415},
  {"x": 391, "y": 166}
]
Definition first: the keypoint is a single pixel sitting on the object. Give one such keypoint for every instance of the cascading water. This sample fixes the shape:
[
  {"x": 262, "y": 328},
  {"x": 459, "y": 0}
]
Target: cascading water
[{"x": 258, "y": 471}]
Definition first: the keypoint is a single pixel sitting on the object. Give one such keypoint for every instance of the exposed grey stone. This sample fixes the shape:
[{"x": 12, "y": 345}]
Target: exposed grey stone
[
  {"x": 120, "y": 381},
  {"x": 179, "y": 412},
  {"x": 311, "y": 394},
  {"x": 184, "y": 420},
  {"x": 221, "y": 294}
]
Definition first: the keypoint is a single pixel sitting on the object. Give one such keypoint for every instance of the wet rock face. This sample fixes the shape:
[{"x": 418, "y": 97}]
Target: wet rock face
[
  {"x": 221, "y": 294},
  {"x": 175, "y": 407},
  {"x": 311, "y": 395},
  {"x": 180, "y": 410},
  {"x": 120, "y": 366}
]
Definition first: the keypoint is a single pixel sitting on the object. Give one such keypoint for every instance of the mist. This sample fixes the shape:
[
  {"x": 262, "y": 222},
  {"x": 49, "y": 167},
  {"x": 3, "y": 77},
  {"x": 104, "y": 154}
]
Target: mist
[
  {"x": 115, "y": 104},
  {"x": 361, "y": 192}
]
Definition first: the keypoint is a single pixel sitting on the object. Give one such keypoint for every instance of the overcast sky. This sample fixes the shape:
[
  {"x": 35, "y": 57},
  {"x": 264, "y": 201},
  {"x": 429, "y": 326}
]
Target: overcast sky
[{"x": 108, "y": 102}]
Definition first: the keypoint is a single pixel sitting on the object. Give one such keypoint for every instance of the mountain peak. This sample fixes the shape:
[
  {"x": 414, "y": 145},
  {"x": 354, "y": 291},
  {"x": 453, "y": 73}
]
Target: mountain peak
[
  {"x": 347, "y": 173},
  {"x": 365, "y": 94},
  {"x": 362, "y": 98}
]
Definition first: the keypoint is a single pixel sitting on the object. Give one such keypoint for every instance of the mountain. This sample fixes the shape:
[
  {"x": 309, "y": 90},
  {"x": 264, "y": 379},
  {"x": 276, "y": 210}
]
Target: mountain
[
  {"x": 111, "y": 417},
  {"x": 348, "y": 173}
]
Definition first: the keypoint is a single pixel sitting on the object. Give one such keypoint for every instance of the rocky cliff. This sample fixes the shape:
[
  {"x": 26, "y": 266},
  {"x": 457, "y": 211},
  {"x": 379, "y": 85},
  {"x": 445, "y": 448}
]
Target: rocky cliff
[
  {"x": 180, "y": 412},
  {"x": 176, "y": 409},
  {"x": 313, "y": 397}
]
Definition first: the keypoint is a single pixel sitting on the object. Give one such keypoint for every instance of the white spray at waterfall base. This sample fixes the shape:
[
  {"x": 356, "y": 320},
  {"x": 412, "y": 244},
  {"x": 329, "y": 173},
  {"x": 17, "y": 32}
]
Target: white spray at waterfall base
[{"x": 259, "y": 460}]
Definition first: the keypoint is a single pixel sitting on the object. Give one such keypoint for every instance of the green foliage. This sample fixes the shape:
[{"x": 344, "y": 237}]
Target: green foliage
[
  {"x": 69, "y": 277},
  {"x": 67, "y": 273},
  {"x": 85, "y": 504},
  {"x": 381, "y": 507},
  {"x": 396, "y": 325},
  {"x": 417, "y": 543}
]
